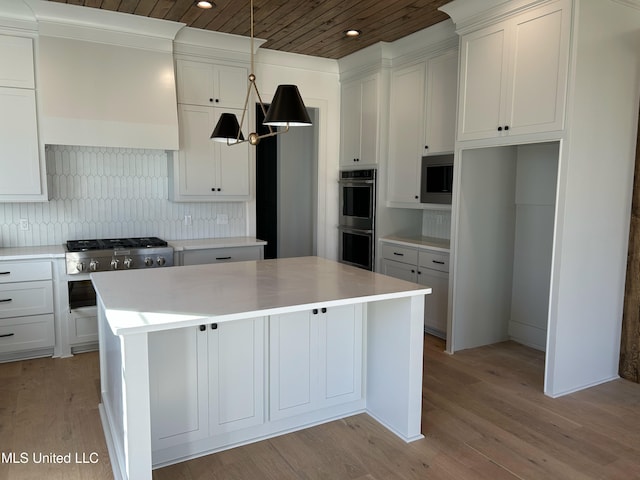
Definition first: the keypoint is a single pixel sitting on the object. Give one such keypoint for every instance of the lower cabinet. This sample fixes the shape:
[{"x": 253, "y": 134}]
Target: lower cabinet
[
  {"x": 205, "y": 380},
  {"x": 315, "y": 359},
  {"x": 426, "y": 267},
  {"x": 219, "y": 255},
  {"x": 213, "y": 381}
]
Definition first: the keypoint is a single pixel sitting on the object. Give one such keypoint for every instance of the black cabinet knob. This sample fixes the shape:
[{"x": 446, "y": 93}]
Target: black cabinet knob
[
  {"x": 426, "y": 147},
  {"x": 214, "y": 326},
  {"x": 202, "y": 328},
  {"x": 416, "y": 197},
  {"x": 324, "y": 310},
  {"x": 506, "y": 127},
  {"x": 315, "y": 311},
  {"x": 499, "y": 129},
  {"x": 211, "y": 99}
]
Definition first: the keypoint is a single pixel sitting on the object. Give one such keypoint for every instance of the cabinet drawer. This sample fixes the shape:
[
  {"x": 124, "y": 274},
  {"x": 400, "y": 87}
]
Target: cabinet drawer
[
  {"x": 24, "y": 271},
  {"x": 435, "y": 261},
  {"x": 26, "y": 333},
  {"x": 399, "y": 254},
  {"x": 26, "y": 298},
  {"x": 221, "y": 255}
]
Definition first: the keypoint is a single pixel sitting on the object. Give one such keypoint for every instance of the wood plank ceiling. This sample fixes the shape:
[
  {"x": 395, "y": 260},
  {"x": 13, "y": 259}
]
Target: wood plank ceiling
[{"x": 309, "y": 27}]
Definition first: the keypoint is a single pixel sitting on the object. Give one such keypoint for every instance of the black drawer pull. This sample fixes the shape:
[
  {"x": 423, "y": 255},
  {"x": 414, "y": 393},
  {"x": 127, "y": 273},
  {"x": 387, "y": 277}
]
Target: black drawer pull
[
  {"x": 7, "y": 335},
  {"x": 5, "y": 273},
  {"x": 438, "y": 262},
  {"x": 223, "y": 258},
  {"x": 398, "y": 254},
  {"x": 6, "y": 300}
]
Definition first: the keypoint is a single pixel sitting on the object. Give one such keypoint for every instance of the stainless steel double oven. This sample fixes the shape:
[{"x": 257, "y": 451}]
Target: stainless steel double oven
[{"x": 357, "y": 218}]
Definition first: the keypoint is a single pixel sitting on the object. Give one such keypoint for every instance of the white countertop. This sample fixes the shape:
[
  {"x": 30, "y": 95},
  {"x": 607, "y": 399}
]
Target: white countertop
[
  {"x": 159, "y": 299},
  {"x": 30, "y": 253},
  {"x": 204, "y": 243},
  {"x": 430, "y": 243}
]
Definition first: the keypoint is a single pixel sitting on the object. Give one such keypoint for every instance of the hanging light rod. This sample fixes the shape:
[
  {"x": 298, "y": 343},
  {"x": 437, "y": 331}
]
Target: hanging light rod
[{"x": 286, "y": 110}]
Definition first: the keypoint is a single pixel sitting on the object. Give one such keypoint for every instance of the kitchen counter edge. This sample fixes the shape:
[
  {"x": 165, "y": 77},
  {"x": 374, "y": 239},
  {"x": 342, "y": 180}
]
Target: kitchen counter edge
[
  {"x": 223, "y": 242},
  {"x": 31, "y": 253}
]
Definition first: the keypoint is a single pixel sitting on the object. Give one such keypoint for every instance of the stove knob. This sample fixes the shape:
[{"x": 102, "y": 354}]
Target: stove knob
[
  {"x": 80, "y": 266},
  {"x": 148, "y": 261},
  {"x": 161, "y": 261},
  {"x": 114, "y": 264},
  {"x": 93, "y": 266},
  {"x": 128, "y": 262}
]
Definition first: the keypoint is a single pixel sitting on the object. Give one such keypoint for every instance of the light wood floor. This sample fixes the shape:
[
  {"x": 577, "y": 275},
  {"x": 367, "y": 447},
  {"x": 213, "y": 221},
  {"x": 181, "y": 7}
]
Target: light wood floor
[{"x": 485, "y": 417}]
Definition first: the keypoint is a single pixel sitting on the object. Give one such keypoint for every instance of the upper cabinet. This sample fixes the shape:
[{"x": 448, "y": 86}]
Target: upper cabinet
[
  {"x": 203, "y": 83},
  {"x": 203, "y": 170},
  {"x": 513, "y": 75},
  {"x": 422, "y": 120},
  {"x": 22, "y": 162},
  {"x": 360, "y": 112}
]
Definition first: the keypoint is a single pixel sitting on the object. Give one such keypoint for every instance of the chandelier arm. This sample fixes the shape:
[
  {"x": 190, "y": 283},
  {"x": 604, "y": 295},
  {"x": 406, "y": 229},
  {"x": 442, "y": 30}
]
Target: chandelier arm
[
  {"x": 262, "y": 107},
  {"x": 274, "y": 133}
]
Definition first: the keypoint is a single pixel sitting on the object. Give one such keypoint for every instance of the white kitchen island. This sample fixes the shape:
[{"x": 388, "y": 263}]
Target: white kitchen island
[{"x": 198, "y": 359}]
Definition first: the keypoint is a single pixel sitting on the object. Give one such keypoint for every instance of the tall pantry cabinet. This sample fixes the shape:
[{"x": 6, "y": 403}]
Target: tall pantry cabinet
[{"x": 565, "y": 73}]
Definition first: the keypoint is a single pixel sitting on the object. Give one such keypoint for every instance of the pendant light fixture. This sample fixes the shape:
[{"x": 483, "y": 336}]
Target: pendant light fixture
[{"x": 286, "y": 110}]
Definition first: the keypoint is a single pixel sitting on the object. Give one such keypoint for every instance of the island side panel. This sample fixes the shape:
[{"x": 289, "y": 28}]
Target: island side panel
[
  {"x": 124, "y": 381},
  {"x": 395, "y": 338}
]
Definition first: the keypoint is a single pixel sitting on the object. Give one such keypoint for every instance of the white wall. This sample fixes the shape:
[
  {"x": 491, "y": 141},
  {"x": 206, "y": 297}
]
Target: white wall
[
  {"x": 297, "y": 187},
  {"x": 536, "y": 182}
]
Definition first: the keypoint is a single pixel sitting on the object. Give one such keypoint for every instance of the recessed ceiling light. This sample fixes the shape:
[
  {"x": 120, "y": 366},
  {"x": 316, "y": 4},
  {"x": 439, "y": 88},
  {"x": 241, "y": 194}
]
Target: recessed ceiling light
[
  {"x": 204, "y": 4},
  {"x": 352, "y": 33}
]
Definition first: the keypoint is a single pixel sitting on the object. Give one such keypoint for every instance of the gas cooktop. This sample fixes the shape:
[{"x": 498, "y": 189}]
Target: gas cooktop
[
  {"x": 114, "y": 243},
  {"x": 85, "y": 256}
]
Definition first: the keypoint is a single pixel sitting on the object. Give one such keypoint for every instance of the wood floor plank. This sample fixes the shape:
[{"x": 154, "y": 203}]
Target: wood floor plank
[{"x": 484, "y": 417}]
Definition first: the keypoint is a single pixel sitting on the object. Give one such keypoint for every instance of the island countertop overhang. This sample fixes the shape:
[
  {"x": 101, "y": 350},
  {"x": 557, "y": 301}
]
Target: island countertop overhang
[{"x": 161, "y": 299}]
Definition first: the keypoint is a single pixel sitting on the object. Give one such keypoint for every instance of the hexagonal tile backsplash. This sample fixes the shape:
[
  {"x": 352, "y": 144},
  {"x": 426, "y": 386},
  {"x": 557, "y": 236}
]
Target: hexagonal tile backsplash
[{"x": 109, "y": 193}]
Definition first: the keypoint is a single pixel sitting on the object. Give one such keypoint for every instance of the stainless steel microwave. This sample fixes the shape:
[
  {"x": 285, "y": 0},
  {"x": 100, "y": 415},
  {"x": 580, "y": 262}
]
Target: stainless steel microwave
[{"x": 436, "y": 180}]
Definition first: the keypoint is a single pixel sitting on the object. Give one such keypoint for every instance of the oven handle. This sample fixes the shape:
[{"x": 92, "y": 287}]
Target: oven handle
[
  {"x": 356, "y": 183},
  {"x": 355, "y": 230}
]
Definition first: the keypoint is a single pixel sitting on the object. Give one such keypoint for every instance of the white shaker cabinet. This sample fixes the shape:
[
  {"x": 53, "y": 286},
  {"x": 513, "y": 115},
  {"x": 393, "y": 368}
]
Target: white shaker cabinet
[
  {"x": 26, "y": 310},
  {"x": 513, "y": 75},
  {"x": 422, "y": 120},
  {"x": 201, "y": 83},
  {"x": 442, "y": 91},
  {"x": 23, "y": 177},
  {"x": 359, "y": 120},
  {"x": 406, "y": 127},
  {"x": 205, "y": 380},
  {"x": 315, "y": 359},
  {"x": 426, "y": 267},
  {"x": 204, "y": 170}
]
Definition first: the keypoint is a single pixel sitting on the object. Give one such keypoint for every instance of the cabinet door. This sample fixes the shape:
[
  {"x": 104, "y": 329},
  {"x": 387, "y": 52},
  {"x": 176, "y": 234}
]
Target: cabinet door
[
  {"x": 369, "y": 122},
  {"x": 436, "y": 304},
  {"x": 208, "y": 170},
  {"x": 293, "y": 363},
  {"x": 233, "y": 164},
  {"x": 406, "y": 127},
  {"x": 236, "y": 374},
  {"x": 399, "y": 270},
  {"x": 351, "y": 101},
  {"x": 178, "y": 386},
  {"x": 442, "y": 91},
  {"x": 20, "y": 163},
  {"x": 340, "y": 336},
  {"x": 483, "y": 79},
  {"x": 197, "y": 169},
  {"x": 538, "y": 71},
  {"x": 16, "y": 62},
  {"x": 206, "y": 84}
]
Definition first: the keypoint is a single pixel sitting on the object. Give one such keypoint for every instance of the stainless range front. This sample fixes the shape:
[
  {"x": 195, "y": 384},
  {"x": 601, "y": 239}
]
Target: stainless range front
[
  {"x": 86, "y": 256},
  {"x": 83, "y": 257}
]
